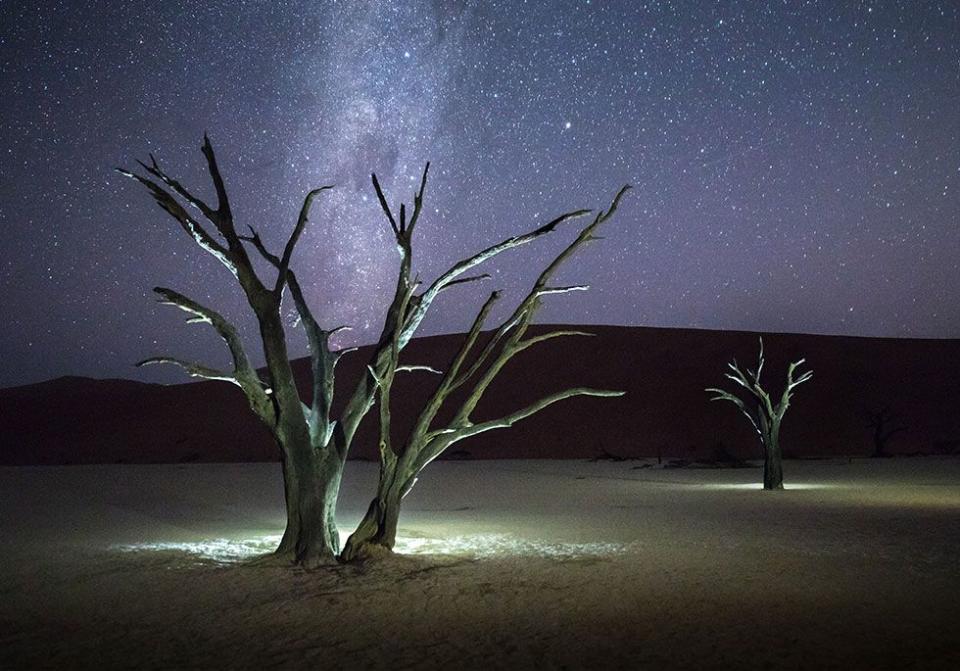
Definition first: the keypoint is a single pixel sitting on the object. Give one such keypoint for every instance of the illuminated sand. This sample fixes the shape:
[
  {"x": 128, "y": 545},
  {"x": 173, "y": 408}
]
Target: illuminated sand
[{"x": 547, "y": 564}]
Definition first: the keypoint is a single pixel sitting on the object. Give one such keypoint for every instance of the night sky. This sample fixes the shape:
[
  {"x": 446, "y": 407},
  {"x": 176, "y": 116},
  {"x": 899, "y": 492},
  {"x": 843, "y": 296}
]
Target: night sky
[{"x": 797, "y": 165}]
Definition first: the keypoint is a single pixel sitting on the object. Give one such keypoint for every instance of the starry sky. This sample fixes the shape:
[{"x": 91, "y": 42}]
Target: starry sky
[{"x": 796, "y": 164}]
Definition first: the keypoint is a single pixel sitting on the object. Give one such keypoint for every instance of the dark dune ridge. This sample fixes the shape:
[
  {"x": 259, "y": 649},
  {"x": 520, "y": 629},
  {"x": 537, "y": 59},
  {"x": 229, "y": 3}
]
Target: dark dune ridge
[{"x": 664, "y": 413}]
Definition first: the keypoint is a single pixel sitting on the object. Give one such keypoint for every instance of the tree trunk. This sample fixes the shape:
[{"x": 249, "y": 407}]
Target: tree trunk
[
  {"x": 291, "y": 498},
  {"x": 311, "y": 473},
  {"x": 878, "y": 440},
  {"x": 377, "y": 533},
  {"x": 772, "y": 463},
  {"x": 311, "y": 481}
]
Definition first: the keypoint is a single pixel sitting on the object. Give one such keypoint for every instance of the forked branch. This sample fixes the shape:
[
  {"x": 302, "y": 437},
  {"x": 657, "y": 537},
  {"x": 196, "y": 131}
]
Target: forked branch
[
  {"x": 503, "y": 344},
  {"x": 243, "y": 375},
  {"x": 522, "y": 316},
  {"x": 751, "y": 382},
  {"x": 232, "y": 255},
  {"x": 453, "y": 275},
  {"x": 323, "y": 360},
  {"x": 193, "y": 228}
]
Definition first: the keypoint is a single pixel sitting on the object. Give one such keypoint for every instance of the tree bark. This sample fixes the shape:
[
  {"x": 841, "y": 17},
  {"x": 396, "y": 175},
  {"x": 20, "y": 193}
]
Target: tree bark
[
  {"x": 772, "y": 462},
  {"x": 311, "y": 473},
  {"x": 376, "y": 534},
  {"x": 311, "y": 481},
  {"x": 319, "y": 539},
  {"x": 291, "y": 495}
]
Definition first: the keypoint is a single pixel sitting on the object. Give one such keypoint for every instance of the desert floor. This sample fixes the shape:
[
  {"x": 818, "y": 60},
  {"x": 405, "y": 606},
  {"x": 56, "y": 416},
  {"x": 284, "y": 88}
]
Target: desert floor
[{"x": 506, "y": 564}]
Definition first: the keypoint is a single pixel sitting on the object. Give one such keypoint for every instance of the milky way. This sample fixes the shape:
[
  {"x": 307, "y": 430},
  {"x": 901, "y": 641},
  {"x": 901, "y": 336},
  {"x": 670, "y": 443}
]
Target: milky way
[{"x": 797, "y": 165}]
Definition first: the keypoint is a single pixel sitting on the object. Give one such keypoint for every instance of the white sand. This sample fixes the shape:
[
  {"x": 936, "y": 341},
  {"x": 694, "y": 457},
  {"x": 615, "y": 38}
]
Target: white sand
[{"x": 509, "y": 564}]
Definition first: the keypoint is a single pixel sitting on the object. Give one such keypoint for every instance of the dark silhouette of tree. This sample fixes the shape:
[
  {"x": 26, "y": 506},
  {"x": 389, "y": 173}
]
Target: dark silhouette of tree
[
  {"x": 469, "y": 374},
  {"x": 313, "y": 444},
  {"x": 764, "y": 416},
  {"x": 885, "y": 424}
]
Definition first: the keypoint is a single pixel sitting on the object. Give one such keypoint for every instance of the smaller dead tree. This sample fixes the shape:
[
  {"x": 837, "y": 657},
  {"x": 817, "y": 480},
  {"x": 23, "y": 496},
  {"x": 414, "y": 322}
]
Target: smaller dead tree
[
  {"x": 765, "y": 417},
  {"x": 885, "y": 424},
  {"x": 468, "y": 376}
]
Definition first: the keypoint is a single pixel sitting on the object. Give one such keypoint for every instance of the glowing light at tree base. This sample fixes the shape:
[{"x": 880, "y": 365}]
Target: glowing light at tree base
[{"x": 477, "y": 546}]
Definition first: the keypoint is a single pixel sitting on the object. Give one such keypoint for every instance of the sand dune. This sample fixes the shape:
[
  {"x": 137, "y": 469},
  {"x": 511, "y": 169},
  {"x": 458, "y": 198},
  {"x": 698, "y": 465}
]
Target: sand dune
[{"x": 665, "y": 411}]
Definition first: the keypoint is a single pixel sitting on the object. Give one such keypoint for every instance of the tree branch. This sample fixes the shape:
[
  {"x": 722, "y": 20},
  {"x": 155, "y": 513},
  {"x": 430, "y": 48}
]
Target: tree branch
[
  {"x": 529, "y": 342},
  {"x": 192, "y": 369},
  {"x": 722, "y": 395},
  {"x": 488, "y": 349},
  {"x": 791, "y": 385},
  {"x": 444, "y": 439},
  {"x": 244, "y": 374},
  {"x": 449, "y": 277},
  {"x": 193, "y": 228},
  {"x": 155, "y": 170},
  {"x": 383, "y": 204},
  {"x": 384, "y": 374},
  {"x": 464, "y": 280},
  {"x": 417, "y": 201},
  {"x": 323, "y": 360},
  {"x": 753, "y": 387},
  {"x": 533, "y": 408},
  {"x": 562, "y": 290},
  {"x": 284, "y": 264},
  {"x": 518, "y": 322},
  {"x": 425, "y": 369},
  {"x": 257, "y": 242},
  {"x": 233, "y": 255},
  {"x": 451, "y": 377},
  {"x": 204, "y": 314},
  {"x": 223, "y": 203}
]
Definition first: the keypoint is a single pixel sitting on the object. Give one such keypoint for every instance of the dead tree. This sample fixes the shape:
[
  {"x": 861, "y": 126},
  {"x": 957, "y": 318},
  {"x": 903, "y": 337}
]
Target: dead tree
[
  {"x": 885, "y": 424},
  {"x": 313, "y": 444},
  {"x": 764, "y": 416},
  {"x": 469, "y": 373}
]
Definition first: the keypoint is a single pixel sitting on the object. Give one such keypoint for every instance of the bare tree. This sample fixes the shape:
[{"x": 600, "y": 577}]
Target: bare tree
[
  {"x": 885, "y": 424},
  {"x": 313, "y": 444},
  {"x": 764, "y": 416},
  {"x": 471, "y": 371}
]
